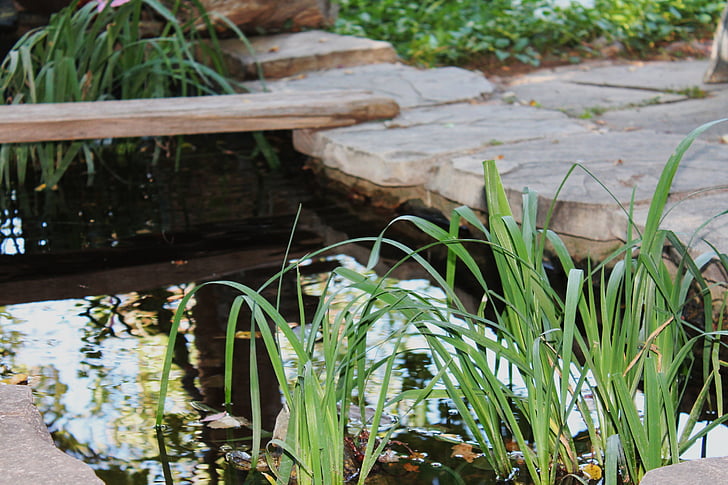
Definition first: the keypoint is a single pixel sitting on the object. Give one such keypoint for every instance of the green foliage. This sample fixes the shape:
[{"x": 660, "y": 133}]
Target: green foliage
[
  {"x": 85, "y": 55},
  {"x": 612, "y": 350},
  {"x": 457, "y": 31},
  {"x": 614, "y": 339}
]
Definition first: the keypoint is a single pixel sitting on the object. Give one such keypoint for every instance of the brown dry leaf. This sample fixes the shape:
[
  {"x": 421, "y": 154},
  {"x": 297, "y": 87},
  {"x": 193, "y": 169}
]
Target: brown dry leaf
[
  {"x": 411, "y": 467},
  {"x": 464, "y": 451},
  {"x": 244, "y": 335},
  {"x": 416, "y": 455},
  {"x": 224, "y": 420},
  {"x": 389, "y": 456}
]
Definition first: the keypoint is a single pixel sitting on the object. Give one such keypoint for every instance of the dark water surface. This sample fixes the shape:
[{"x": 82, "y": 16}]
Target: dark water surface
[{"x": 90, "y": 276}]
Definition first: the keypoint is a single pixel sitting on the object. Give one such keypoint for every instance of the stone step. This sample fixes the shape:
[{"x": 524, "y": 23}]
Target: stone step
[
  {"x": 434, "y": 149},
  {"x": 283, "y": 55},
  {"x": 28, "y": 453},
  {"x": 408, "y": 86}
]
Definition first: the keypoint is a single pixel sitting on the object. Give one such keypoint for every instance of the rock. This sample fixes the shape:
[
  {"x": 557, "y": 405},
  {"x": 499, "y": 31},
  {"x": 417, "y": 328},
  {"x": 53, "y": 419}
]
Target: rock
[
  {"x": 707, "y": 470},
  {"x": 28, "y": 453},
  {"x": 284, "y": 55}
]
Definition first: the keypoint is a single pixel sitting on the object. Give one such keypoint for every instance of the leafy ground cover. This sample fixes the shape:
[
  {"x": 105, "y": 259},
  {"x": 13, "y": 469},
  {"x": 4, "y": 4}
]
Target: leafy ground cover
[{"x": 529, "y": 32}]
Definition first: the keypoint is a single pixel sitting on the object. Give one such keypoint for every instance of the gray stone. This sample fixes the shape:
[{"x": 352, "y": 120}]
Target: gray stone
[
  {"x": 408, "y": 86},
  {"x": 587, "y": 100},
  {"x": 409, "y": 150},
  {"x": 655, "y": 76},
  {"x": 626, "y": 163},
  {"x": 290, "y": 54},
  {"x": 696, "y": 218},
  {"x": 680, "y": 118},
  {"x": 28, "y": 454},
  {"x": 713, "y": 471}
]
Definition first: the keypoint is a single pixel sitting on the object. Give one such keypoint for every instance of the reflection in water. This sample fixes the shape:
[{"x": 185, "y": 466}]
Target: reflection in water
[
  {"x": 95, "y": 365},
  {"x": 95, "y": 388}
]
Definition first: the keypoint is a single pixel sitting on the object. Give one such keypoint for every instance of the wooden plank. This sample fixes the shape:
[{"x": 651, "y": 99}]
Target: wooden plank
[{"x": 192, "y": 115}]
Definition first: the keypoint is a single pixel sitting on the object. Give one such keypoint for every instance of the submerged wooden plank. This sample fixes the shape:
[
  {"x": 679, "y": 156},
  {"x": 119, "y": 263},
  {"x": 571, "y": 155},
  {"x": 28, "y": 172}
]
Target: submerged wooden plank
[{"x": 192, "y": 115}]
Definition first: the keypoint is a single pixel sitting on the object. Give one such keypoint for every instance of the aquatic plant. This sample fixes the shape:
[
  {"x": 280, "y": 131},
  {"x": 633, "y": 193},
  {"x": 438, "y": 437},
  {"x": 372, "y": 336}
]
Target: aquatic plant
[
  {"x": 126, "y": 50},
  {"x": 615, "y": 348},
  {"x": 611, "y": 351},
  {"x": 334, "y": 361}
]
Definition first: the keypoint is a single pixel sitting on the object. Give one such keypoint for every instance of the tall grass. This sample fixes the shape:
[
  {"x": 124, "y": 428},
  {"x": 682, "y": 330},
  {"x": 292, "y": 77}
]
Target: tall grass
[
  {"x": 609, "y": 353},
  {"x": 615, "y": 347},
  {"x": 335, "y": 359},
  {"x": 86, "y": 55}
]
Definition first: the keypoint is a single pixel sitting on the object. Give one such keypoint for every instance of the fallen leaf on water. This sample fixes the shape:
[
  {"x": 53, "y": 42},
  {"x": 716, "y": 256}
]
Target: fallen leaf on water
[
  {"x": 592, "y": 471},
  {"x": 416, "y": 455},
  {"x": 224, "y": 420},
  {"x": 389, "y": 456},
  {"x": 464, "y": 451},
  {"x": 411, "y": 467},
  {"x": 245, "y": 335}
]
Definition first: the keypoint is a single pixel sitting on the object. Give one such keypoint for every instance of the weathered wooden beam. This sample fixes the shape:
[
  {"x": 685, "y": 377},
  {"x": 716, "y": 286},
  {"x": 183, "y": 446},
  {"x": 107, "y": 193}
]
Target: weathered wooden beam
[{"x": 193, "y": 115}]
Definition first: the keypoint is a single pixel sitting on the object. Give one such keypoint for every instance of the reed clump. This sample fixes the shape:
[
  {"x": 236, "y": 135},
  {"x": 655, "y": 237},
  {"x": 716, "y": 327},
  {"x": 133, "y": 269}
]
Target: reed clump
[{"x": 610, "y": 353}]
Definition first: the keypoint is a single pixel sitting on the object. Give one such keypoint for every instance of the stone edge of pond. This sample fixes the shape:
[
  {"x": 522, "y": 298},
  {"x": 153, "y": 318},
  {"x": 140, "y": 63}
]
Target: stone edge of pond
[
  {"x": 28, "y": 453},
  {"x": 705, "y": 470}
]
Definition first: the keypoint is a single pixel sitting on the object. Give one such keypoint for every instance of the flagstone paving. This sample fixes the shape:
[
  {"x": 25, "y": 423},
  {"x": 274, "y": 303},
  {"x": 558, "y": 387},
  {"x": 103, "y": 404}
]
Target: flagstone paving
[{"x": 621, "y": 122}]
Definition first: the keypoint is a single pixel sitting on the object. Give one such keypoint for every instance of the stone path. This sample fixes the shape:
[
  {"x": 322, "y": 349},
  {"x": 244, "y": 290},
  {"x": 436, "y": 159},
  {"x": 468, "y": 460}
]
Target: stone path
[{"x": 620, "y": 121}]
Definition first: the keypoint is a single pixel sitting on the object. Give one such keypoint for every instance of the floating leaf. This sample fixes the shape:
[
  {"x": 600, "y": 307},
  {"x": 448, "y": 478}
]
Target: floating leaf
[
  {"x": 464, "y": 451},
  {"x": 411, "y": 467},
  {"x": 224, "y": 421},
  {"x": 592, "y": 471}
]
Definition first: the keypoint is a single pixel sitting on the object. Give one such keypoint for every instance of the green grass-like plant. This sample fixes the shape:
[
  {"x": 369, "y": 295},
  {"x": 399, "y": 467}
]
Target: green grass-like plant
[
  {"x": 86, "y": 55},
  {"x": 611, "y": 349},
  {"x": 615, "y": 335}
]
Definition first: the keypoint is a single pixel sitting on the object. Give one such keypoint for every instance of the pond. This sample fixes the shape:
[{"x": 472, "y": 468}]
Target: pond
[{"x": 91, "y": 276}]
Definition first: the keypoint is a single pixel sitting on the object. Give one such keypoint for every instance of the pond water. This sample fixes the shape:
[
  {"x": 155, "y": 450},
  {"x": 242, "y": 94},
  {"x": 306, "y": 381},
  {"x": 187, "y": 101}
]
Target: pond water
[{"x": 91, "y": 277}]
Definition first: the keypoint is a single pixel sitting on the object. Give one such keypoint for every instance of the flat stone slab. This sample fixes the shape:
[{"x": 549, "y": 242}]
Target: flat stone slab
[
  {"x": 707, "y": 470},
  {"x": 408, "y": 86},
  {"x": 285, "y": 55},
  {"x": 696, "y": 219},
  {"x": 410, "y": 149},
  {"x": 626, "y": 163},
  {"x": 680, "y": 118},
  {"x": 583, "y": 100},
  {"x": 655, "y": 76},
  {"x": 28, "y": 453}
]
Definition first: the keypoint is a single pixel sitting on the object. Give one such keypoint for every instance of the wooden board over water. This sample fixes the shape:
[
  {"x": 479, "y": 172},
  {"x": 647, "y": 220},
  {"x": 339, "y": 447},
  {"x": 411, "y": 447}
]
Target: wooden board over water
[{"x": 191, "y": 115}]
